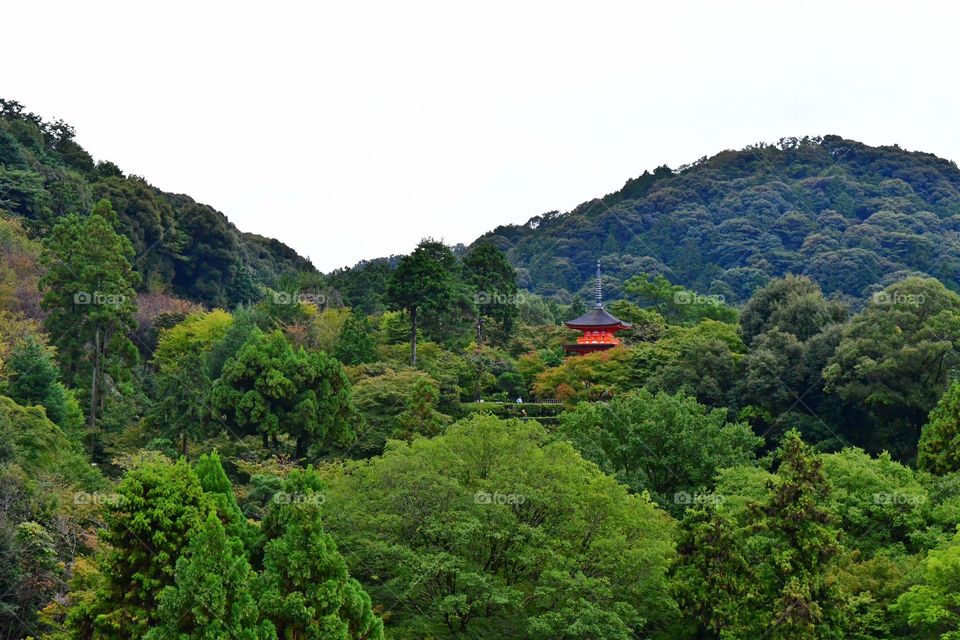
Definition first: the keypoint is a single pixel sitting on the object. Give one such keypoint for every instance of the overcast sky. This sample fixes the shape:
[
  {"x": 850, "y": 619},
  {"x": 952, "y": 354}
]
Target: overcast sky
[{"x": 350, "y": 130}]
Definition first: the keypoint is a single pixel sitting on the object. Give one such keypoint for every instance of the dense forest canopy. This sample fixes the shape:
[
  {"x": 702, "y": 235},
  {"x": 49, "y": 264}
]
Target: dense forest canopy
[
  {"x": 850, "y": 216},
  {"x": 203, "y": 438},
  {"x": 179, "y": 244}
]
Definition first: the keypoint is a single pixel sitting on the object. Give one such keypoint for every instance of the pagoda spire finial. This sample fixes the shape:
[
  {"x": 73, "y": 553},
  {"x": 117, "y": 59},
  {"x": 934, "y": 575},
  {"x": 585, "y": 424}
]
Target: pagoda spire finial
[{"x": 599, "y": 288}]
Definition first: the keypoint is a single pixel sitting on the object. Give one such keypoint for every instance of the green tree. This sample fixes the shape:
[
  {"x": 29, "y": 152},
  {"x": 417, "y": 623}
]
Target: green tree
[
  {"x": 183, "y": 384},
  {"x": 275, "y": 389},
  {"x": 423, "y": 282},
  {"x": 356, "y": 342},
  {"x": 214, "y": 481},
  {"x": 211, "y": 597},
  {"x": 89, "y": 293},
  {"x": 931, "y": 606},
  {"x": 895, "y": 357},
  {"x": 939, "y": 448},
  {"x": 494, "y": 528},
  {"x": 494, "y": 283},
  {"x": 793, "y": 305},
  {"x": 157, "y": 509},
  {"x": 676, "y": 303},
  {"x": 33, "y": 378},
  {"x": 764, "y": 570},
  {"x": 305, "y": 590},
  {"x": 668, "y": 445},
  {"x": 395, "y": 404}
]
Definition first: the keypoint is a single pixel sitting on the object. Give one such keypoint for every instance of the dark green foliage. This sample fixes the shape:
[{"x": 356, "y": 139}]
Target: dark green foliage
[
  {"x": 89, "y": 291},
  {"x": 423, "y": 285},
  {"x": 494, "y": 284},
  {"x": 844, "y": 213},
  {"x": 894, "y": 359},
  {"x": 270, "y": 388},
  {"x": 33, "y": 378},
  {"x": 939, "y": 448},
  {"x": 356, "y": 342},
  {"x": 669, "y": 446}
]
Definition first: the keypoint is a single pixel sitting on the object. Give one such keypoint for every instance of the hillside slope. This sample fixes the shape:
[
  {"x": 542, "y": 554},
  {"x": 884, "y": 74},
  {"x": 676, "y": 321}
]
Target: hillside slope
[
  {"x": 182, "y": 246},
  {"x": 848, "y": 215}
]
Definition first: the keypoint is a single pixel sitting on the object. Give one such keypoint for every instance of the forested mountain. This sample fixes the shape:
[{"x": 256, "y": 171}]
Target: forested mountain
[
  {"x": 848, "y": 215},
  {"x": 202, "y": 437},
  {"x": 180, "y": 245}
]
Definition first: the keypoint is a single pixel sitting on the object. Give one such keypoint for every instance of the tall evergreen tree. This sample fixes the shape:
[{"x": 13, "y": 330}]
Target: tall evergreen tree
[
  {"x": 211, "y": 598},
  {"x": 33, "y": 378},
  {"x": 89, "y": 291},
  {"x": 422, "y": 283},
  {"x": 273, "y": 388},
  {"x": 494, "y": 281},
  {"x": 158, "y": 509},
  {"x": 305, "y": 589}
]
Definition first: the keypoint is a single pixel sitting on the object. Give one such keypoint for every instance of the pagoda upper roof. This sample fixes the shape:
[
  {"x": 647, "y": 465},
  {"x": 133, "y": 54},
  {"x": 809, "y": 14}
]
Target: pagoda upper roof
[{"x": 597, "y": 317}]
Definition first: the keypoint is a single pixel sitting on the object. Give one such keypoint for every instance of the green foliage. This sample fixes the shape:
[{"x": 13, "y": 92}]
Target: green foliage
[
  {"x": 703, "y": 360},
  {"x": 494, "y": 284},
  {"x": 271, "y": 388},
  {"x": 423, "y": 283},
  {"x": 33, "y": 378},
  {"x": 88, "y": 290},
  {"x": 356, "y": 342},
  {"x": 880, "y": 504},
  {"x": 493, "y": 530},
  {"x": 395, "y": 404},
  {"x": 158, "y": 507},
  {"x": 939, "y": 448},
  {"x": 675, "y": 303},
  {"x": 669, "y": 446},
  {"x": 895, "y": 357},
  {"x": 846, "y": 214},
  {"x": 931, "y": 605},
  {"x": 197, "y": 333},
  {"x": 766, "y": 573},
  {"x": 305, "y": 590},
  {"x": 211, "y": 598}
]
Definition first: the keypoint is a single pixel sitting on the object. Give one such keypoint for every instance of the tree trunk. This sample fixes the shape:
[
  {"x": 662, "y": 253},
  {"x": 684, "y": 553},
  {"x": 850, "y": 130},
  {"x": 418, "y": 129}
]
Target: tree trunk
[
  {"x": 301, "y": 448},
  {"x": 479, "y": 329},
  {"x": 413, "y": 336},
  {"x": 184, "y": 449},
  {"x": 93, "y": 383}
]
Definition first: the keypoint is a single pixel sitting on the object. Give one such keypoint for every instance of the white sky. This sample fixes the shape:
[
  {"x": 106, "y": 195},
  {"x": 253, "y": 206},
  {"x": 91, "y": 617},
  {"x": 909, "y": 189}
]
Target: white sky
[{"x": 350, "y": 130}]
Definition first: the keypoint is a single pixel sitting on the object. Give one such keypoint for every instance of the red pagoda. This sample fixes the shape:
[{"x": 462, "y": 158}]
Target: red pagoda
[{"x": 598, "y": 327}]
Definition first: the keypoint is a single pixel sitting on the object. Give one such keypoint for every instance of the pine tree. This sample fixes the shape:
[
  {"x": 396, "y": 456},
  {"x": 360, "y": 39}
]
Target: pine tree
[
  {"x": 33, "y": 378},
  {"x": 158, "y": 508},
  {"x": 422, "y": 283},
  {"x": 211, "y": 598},
  {"x": 805, "y": 604},
  {"x": 304, "y": 588},
  {"x": 494, "y": 281},
  {"x": 214, "y": 481},
  {"x": 89, "y": 291}
]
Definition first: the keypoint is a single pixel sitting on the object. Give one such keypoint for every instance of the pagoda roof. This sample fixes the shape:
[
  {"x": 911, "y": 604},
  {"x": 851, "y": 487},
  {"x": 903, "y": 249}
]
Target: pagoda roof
[{"x": 597, "y": 317}]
